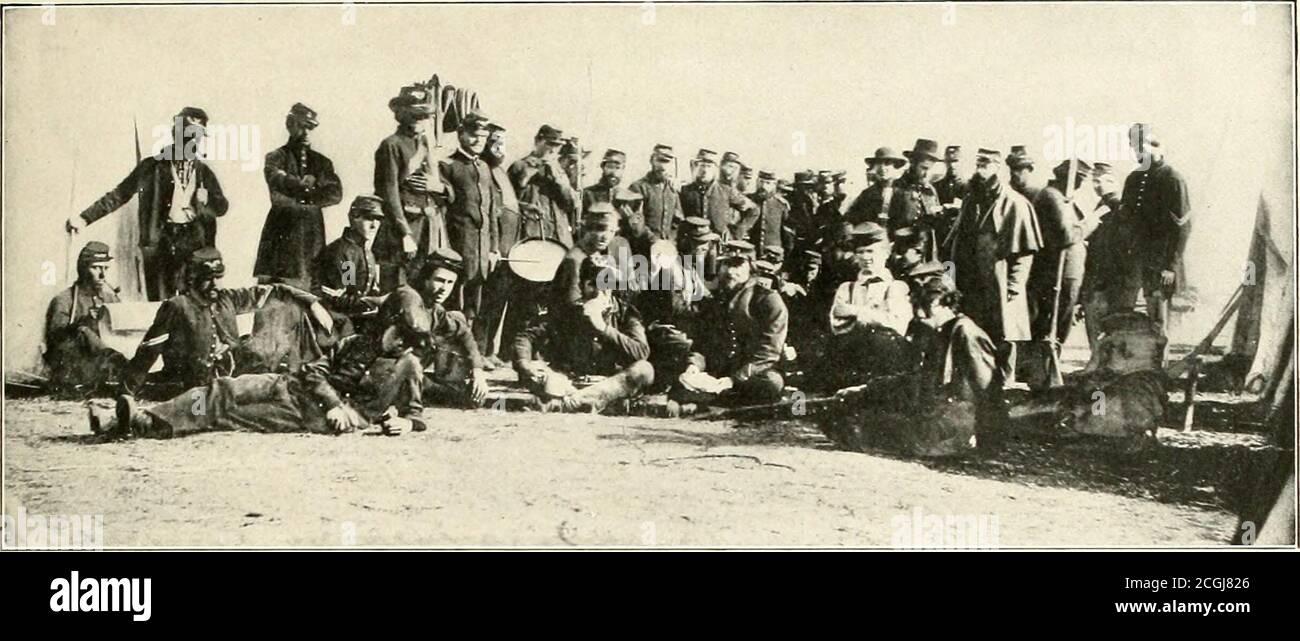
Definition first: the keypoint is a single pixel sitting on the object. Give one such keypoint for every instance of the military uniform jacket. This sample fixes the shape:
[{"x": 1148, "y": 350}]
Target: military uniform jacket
[
  {"x": 469, "y": 198},
  {"x": 408, "y": 211},
  {"x": 949, "y": 188},
  {"x": 571, "y": 345},
  {"x": 765, "y": 226},
  {"x": 662, "y": 205},
  {"x": 957, "y": 361},
  {"x": 1160, "y": 209},
  {"x": 294, "y": 231},
  {"x": 720, "y": 204},
  {"x": 742, "y": 334},
  {"x": 870, "y": 205},
  {"x": 913, "y": 201},
  {"x": 1110, "y": 250},
  {"x": 1061, "y": 224},
  {"x": 546, "y": 205},
  {"x": 190, "y": 333},
  {"x": 152, "y": 180},
  {"x": 346, "y": 265}
]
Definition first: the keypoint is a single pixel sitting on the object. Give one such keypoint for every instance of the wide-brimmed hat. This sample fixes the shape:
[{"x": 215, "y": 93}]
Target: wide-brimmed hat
[
  {"x": 924, "y": 148},
  {"x": 412, "y": 100},
  {"x": 885, "y": 155}
]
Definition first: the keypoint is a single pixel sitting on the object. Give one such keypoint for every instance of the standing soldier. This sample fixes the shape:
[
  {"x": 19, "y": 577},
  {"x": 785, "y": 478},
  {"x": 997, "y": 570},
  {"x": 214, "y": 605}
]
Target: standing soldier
[
  {"x": 179, "y": 202},
  {"x": 611, "y": 175},
  {"x": 1060, "y": 260},
  {"x": 1156, "y": 197},
  {"x": 80, "y": 363},
  {"x": 827, "y": 215},
  {"x": 767, "y": 224},
  {"x": 711, "y": 198},
  {"x": 951, "y": 189},
  {"x": 470, "y": 207},
  {"x": 662, "y": 206},
  {"x": 872, "y": 204},
  {"x": 547, "y": 202},
  {"x": 302, "y": 182},
  {"x": 406, "y": 180},
  {"x": 994, "y": 242},
  {"x": 915, "y": 202},
  {"x": 1022, "y": 170},
  {"x": 729, "y": 170},
  {"x": 746, "y": 183},
  {"x": 1109, "y": 282},
  {"x": 803, "y": 207}
]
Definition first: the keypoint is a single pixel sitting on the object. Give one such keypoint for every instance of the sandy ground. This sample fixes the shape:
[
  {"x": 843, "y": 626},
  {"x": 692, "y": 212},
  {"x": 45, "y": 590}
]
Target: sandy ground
[{"x": 497, "y": 479}]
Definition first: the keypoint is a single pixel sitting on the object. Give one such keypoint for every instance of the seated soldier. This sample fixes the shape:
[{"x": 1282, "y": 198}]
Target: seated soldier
[
  {"x": 454, "y": 370},
  {"x": 604, "y": 339},
  {"x": 344, "y": 274},
  {"x": 740, "y": 338},
  {"x": 196, "y": 334},
  {"x": 79, "y": 361},
  {"x": 868, "y": 316},
  {"x": 948, "y": 396},
  {"x": 670, "y": 308},
  {"x": 369, "y": 382},
  {"x": 599, "y": 226}
]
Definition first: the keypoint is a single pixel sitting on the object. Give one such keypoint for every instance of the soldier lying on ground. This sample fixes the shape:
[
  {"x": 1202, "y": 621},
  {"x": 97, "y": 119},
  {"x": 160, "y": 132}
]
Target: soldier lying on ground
[
  {"x": 196, "y": 334},
  {"x": 604, "y": 339},
  {"x": 80, "y": 364},
  {"x": 369, "y": 382},
  {"x": 946, "y": 398}
]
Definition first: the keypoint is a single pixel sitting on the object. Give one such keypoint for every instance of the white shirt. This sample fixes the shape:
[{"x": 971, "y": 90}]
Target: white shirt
[{"x": 880, "y": 301}]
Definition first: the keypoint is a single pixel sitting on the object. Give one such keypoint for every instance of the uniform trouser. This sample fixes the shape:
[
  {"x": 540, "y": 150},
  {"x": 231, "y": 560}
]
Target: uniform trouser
[
  {"x": 496, "y": 298},
  {"x": 164, "y": 267},
  {"x": 761, "y": 387},
  {"x": 1157, "y": 297},
  {"x": 1120, "y": 296},
  {"x": 670, "y": 351},
  {"x": 862, "y": 353},
  {"x": 254, "y": 402},
  {"x": 1040, "y": 310},
  {"x": 281, "y": 403},
  {"x": 625, "y": 384}
]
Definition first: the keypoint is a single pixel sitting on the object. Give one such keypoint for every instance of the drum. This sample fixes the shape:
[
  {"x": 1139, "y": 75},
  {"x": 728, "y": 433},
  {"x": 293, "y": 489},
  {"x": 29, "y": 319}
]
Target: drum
[{"x": 536, "y": 259}]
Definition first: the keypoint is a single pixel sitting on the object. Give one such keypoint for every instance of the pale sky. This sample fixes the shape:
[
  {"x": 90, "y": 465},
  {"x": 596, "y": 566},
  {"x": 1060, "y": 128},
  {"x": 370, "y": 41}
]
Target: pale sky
[{"x": 1217, "y": 81}]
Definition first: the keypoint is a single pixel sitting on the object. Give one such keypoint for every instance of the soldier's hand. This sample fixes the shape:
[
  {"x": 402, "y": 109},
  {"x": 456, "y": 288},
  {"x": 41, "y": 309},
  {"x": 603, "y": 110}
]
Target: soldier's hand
[
  {"x": 492, "y": 259},
  {"x": 594, "y": 310},
  {"x": 417, "y": 182},
  {"x": 408, "y": 246},
  {"x": 75, "y": 224},
  {"x": 478, "y": 386},
  {"x": 201, "y": 195},
  {"x": 337, "y": 419},
  {"x": 1167, "y": 278},
  {"x": 309, "y": 181},
  {"x": 395, "y": 425}
]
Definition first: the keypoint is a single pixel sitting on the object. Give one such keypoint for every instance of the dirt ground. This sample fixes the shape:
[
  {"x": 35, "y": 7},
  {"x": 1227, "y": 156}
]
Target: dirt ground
[{"x": 506, "y": 479}]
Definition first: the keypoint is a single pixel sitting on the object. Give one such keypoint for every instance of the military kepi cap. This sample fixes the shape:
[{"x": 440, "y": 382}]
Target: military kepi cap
[
  {"x": 94, "y": 252},
  {"x": 367, "y": 206},
  {"x": 867, "y": 233},
  {"x": 550, "y": 134},
  {"x": 600, "y": 215},
  {"x": 476, "y": 122},
  {"x": 446, "y": 258},
  {"x": 737, "y": 249},
  {"x": 990, "y": 155},
  {"x": 303, "y": 114},
  {"x": 614, "y": 155},
  {"x": 663, "y": 152},
  {"x": 206, "y": 262},
  {"x": 707, "y": 155}
]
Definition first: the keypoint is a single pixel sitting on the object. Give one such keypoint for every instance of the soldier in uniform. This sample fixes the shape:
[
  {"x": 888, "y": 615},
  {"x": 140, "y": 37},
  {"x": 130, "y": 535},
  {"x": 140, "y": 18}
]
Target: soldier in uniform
[
  {"x": 740, "y": 338},
  {"x": 951, "y": 188},
  {"x": 454, "y": 369},
  {"x": 670, "y": 309},
  {"x": 302, "y": 182},
  {"x": 345, "y": 275},
  {"x": 179, "y": 203},
  {"x": 831, "y": 193},
  {"x": 994, "y": 242},
  {"x": 1109, "y": 279},
  {"x": 729, "y": 170},
  {"x": 470, "y": 207},
  {"x": 869, "y": 315},
  {"x": 662, "y": 206},
  {"x": 355, "y": 387},
  {"x": 872, "y": 204},
  {"x": 406, "y": 180},
  {"x": 611, "y": 176},
  {"x": 1061, "y": 258},
  {"x": 711, "y": 198},
  {"x": 803, "y": 208},
  {"x": 745, "y": 185},
  {"x": 547, "y": 202},
  {"x": 79, "y": 361},
  {"x": 604, "y": 339},
  {"x": 637, "y": 239},
  {"x": 766, "y": 226},
  {"x": 196, "y": 333},
  {"x": 915, "y": 202},
  {"x": 599, "y": 228},
  {"x": 1156, "y": 197}
]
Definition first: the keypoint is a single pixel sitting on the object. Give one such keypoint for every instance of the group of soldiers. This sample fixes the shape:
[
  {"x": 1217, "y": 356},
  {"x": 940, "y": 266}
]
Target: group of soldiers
[{"x": 754, "y": 284}]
